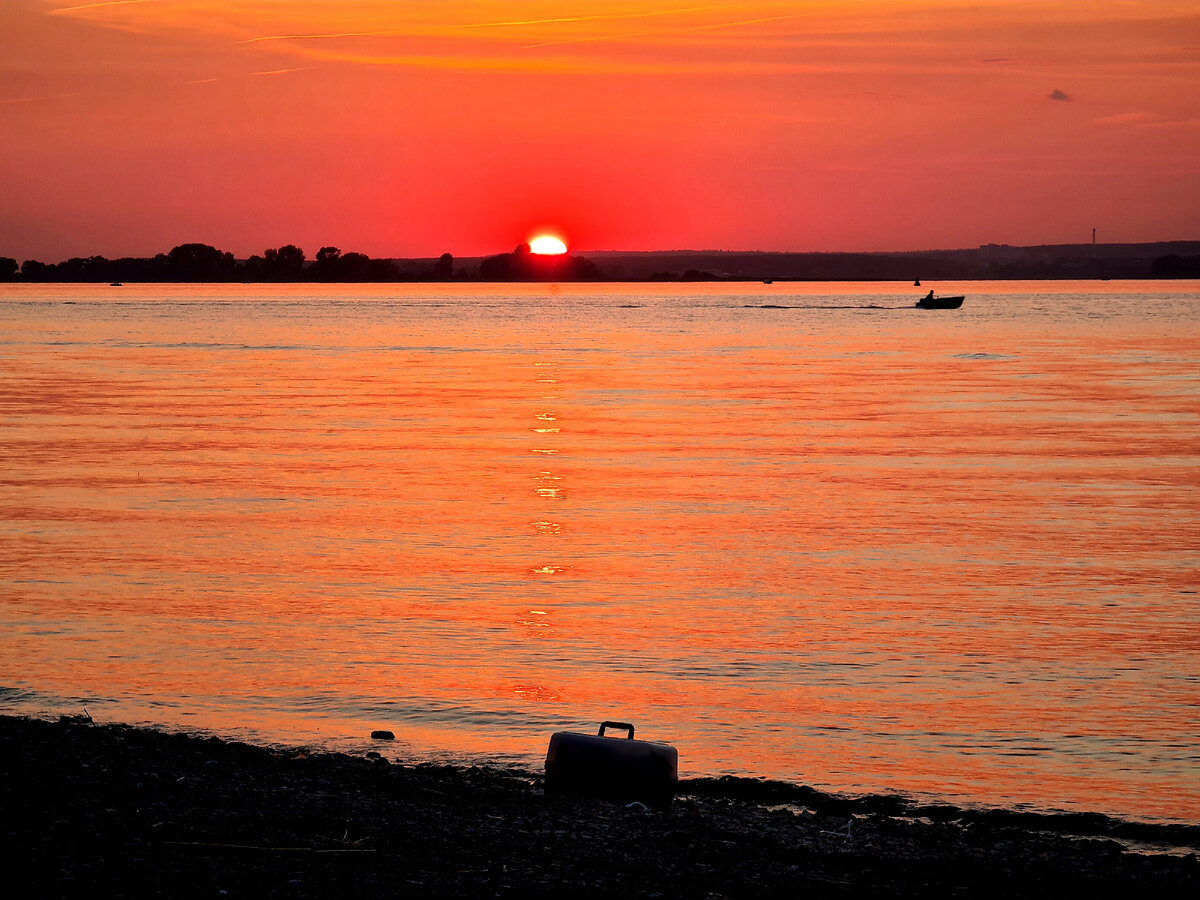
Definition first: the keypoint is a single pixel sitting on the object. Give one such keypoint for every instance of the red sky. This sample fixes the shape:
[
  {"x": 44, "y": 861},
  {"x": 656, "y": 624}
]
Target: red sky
[{"x": 417, "y": 127}]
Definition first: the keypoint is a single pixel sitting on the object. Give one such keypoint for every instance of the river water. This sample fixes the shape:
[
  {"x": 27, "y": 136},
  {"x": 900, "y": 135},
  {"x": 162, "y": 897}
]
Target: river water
[{"x": 802, "y": 531}]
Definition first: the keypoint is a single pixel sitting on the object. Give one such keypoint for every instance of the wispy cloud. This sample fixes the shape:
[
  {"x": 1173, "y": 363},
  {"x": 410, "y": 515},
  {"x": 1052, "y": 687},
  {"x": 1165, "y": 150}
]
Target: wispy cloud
[
  {"x": 322, "y": 36},
  {"x": 1174, "y": 123},
  {"x": 602, "y": 17},
  {"x": 83, "y": 7},
  {"x": 11, "y": 101},
  {"x": 714, "y": 26},
  {"x": 573, "y": 36},
  {"x": 1143, "y": 120},
  {"x": 1128, "y": 118},
  {"x": 447, "y": 28}
]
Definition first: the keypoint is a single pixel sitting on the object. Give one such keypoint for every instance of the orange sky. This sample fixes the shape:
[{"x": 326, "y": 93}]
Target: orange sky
[{"x": 416, "y": 127}]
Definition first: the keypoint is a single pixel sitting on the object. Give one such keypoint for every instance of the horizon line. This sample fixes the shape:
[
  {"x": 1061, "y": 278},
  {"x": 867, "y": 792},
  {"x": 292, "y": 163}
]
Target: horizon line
[{"x": 692, "y": 250}]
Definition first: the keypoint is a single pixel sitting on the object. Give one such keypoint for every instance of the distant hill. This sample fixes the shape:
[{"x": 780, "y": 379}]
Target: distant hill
[{"x": 1178, "y": 259}]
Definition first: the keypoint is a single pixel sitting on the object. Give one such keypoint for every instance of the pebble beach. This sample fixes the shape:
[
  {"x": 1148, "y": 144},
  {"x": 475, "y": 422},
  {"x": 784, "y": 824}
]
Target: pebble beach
[{"x": 136, "y": 812}]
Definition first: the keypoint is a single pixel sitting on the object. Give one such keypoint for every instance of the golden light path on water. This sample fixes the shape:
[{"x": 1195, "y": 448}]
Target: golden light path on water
[{"x": 800, "y": 531}]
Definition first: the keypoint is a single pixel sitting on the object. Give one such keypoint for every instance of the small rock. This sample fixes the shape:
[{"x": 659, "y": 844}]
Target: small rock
[{"x": 382, "y": 736}]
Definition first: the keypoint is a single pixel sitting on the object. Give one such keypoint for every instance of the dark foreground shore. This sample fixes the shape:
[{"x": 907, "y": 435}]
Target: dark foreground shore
[{"x": 118, "y": 811}]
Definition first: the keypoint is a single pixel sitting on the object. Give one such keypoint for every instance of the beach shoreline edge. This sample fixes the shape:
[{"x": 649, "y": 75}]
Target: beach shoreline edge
[{"x": 142, "y": 811}]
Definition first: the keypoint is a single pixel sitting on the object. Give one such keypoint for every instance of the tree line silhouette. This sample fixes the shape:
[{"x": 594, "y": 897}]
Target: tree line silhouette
[
  {"x": 523, "y": 265},
  {"x": 204, "y": 263}
]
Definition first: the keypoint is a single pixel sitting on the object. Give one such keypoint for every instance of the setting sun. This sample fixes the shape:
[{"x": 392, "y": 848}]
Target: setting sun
[{"x": 547, "y": 245}]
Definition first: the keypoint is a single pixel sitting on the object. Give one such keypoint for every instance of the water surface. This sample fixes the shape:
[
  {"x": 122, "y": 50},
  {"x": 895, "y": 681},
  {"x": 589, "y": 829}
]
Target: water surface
[{"x": 800, "y": 531}]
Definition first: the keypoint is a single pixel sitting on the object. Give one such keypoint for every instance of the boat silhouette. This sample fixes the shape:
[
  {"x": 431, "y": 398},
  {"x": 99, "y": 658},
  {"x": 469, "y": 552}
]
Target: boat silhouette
[{"x": 931, "y": 302}]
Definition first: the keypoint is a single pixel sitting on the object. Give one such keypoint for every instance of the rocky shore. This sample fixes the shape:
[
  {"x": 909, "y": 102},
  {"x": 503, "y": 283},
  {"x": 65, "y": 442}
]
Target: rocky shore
[{"x": 127, "y": 812}]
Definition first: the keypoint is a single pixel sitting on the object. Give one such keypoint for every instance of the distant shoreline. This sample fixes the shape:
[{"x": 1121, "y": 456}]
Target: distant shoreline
[
  {"x": 201, "y": 264},
  {"x": 642, "y": 281},
  {"x": 141, "y": 812}
]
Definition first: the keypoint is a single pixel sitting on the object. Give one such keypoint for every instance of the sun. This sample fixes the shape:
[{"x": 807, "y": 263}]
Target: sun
[{"x": 547, "y": 245}]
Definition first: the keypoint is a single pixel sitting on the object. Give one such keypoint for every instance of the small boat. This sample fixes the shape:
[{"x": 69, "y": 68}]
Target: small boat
[{"x": 932, "y": 302}]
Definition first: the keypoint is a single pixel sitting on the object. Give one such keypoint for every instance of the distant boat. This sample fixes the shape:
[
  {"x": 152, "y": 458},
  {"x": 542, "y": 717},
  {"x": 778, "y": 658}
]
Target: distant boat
[
  {"x": 768, "y": 281},
  {"x": 115, "y": 284},
  {"x": 931, "y": 302}
]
